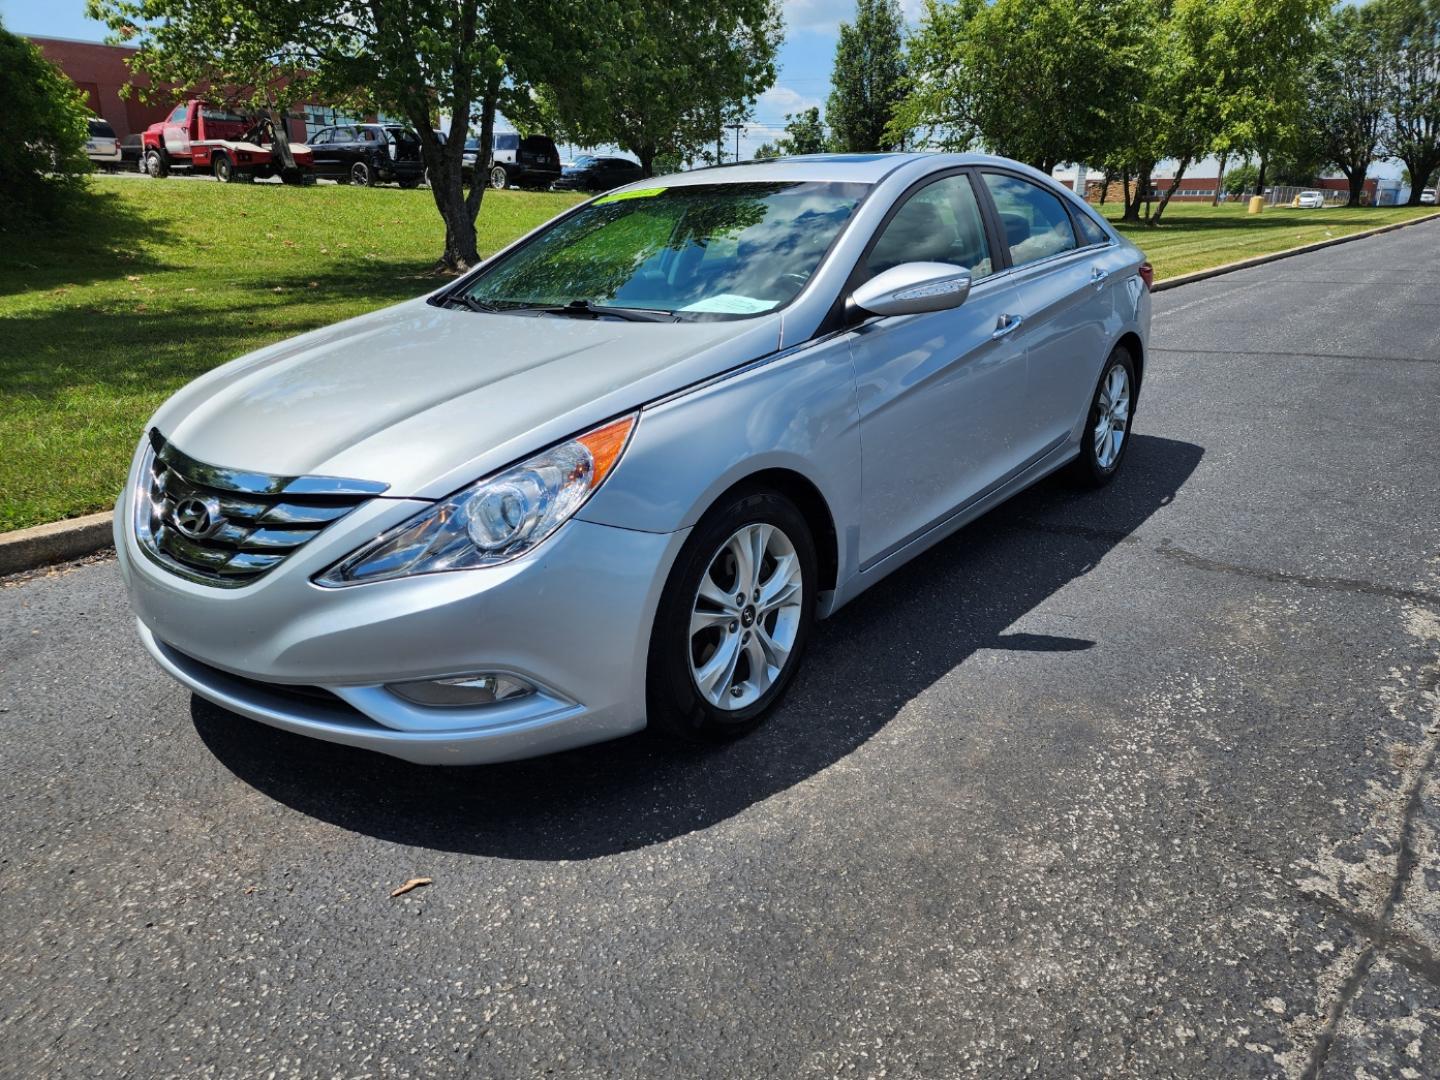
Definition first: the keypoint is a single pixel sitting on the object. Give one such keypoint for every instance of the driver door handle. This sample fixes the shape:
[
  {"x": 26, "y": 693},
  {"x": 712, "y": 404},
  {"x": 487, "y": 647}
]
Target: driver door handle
[
  {"x": 1006, "y": 324},
  {"x": 1098, "y": 276}
]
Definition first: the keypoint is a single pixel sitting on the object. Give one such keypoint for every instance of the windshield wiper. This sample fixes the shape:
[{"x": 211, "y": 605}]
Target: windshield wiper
[
  {"x": 584, "y": 309},
  {"x": 469, "y": 302}
]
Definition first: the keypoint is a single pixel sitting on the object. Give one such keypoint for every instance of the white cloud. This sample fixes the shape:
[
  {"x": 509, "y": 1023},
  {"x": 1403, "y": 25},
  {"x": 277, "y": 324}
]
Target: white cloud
[{"x": 782, "y": 100}]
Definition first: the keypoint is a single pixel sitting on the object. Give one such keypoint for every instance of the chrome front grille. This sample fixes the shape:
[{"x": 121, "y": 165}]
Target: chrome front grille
[{"x": 227, "y": 527}]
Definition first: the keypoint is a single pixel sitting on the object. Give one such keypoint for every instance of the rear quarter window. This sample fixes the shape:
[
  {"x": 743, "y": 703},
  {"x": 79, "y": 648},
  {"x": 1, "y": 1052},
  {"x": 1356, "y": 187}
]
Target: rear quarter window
[{"x": 1090, "y": 230}]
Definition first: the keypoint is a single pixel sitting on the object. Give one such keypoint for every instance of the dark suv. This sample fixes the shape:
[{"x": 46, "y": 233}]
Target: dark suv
[
  {"x": 367, "y": 154},
  {"x": 598, "y": 174}
]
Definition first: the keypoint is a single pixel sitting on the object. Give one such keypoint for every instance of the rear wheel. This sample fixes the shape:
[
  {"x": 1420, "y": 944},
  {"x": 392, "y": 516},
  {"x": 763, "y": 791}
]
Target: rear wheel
[
  {"x": 224, "y": 169},
  {"x": 733, "y": 619},
  {"x": 499, "y": 178},
  {"x": 360, "y": 174},
  {"x": 409, "y": 182},
  {"x": 1107, "y": 427}
]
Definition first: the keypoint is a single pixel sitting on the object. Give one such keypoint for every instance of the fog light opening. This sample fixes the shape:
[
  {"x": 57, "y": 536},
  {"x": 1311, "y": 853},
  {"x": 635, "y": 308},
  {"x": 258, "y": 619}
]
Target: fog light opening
[{"x": 463, "y": 691}]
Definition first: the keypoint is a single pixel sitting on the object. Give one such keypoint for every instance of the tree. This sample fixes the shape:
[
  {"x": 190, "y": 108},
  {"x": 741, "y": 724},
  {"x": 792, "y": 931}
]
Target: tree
[
  {"x": 1347, "y": 88},
  {"x": 1241, "y": 179},
  {"x": 1410, "y": 40},
  {"x": 804, "y": 134},
  {"x": 868, "y": 79},
  {"x": 662, "y": 79},
  {"x": 1043, "y": 81},
  {"x": 42, "y": 135},
  {"x": 766, "y": 151}
]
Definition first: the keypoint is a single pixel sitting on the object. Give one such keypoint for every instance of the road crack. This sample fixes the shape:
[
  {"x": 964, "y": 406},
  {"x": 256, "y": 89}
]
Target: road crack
[{"x": 1378, "y": 935}]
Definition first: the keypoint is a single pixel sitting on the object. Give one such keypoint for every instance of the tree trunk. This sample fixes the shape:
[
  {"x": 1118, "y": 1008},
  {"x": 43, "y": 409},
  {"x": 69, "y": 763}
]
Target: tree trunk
[
  {"x": 1180, "y": 168},
  {"x": 1105, "y": 185},
  {"x": 1420, "y": 170},
  {"x": 1219, "y": 180},
  {"x": 1133, "y": 198},
  {"x": 1357, "y": 185},
  {"x": 646, "y": 154},
  {"x": 1260, "y": 177}
]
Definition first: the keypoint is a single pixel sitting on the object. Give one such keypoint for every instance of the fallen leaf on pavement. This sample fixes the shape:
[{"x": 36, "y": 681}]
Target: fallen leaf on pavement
[{"x": 413, "y": 883}]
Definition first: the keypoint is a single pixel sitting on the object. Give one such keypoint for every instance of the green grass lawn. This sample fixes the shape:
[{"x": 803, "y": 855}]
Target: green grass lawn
[
  {"x": 164, "y": 280},
  {"x": 99, "y": 323},
  {"x": 1194, "y": 236}
]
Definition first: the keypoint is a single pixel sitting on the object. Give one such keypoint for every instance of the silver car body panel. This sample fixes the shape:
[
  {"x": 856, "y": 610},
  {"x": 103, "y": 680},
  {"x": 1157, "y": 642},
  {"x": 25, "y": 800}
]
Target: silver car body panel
[{"x": 906, "y": 426}]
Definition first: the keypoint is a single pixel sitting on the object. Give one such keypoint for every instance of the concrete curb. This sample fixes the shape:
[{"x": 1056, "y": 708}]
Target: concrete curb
[
  {"x": 29, "y": 549},
  {"x": 60, "y": 541},
  {"x": 1261, "y": 260}
]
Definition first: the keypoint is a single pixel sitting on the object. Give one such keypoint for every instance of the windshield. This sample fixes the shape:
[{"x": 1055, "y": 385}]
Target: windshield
[
  {"x": 700, "y": 251},
  {"x": 584, "y": 161}
]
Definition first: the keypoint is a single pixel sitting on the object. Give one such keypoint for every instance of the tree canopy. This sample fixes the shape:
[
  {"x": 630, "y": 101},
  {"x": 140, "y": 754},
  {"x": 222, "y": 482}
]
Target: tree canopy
[
  {"x": 42, "y": 135},
  {"x": 867, "y": 83}
]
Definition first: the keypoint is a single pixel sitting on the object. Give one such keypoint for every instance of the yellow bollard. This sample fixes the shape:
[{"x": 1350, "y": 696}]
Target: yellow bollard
[{"x": 1257, "y": 204}]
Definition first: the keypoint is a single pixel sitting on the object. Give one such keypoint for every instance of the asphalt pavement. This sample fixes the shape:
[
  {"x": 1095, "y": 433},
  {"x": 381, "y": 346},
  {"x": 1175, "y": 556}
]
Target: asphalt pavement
[{"x": 1137, "y": 783}]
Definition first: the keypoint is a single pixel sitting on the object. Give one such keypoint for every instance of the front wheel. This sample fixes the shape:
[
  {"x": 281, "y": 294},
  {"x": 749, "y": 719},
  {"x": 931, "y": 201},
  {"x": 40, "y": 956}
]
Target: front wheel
[
  {"x": 734, "y": 618},
  {"x": 1107, "y": 427},
  {"x": 499, "y": 178},
  {"x": 156, "y": 166}
]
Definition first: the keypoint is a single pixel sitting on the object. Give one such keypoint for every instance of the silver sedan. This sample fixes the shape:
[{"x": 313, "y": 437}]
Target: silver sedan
[{"x": 612, "y": 477}]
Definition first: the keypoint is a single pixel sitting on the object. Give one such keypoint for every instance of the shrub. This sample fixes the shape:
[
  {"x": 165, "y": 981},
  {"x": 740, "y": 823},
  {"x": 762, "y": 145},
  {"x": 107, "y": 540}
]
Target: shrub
[{"x": 42, "y": 135}]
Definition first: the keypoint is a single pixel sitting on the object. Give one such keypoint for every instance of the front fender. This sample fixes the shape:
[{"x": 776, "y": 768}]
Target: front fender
[{"x": 795, "y": 413}]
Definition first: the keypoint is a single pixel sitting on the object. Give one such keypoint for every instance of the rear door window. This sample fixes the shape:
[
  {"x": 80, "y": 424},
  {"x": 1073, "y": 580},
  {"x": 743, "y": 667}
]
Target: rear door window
[{"x": 1034, "y": 222}]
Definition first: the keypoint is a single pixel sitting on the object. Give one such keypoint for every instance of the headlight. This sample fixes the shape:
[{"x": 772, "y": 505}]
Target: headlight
[{"x": 496, "y": 520}]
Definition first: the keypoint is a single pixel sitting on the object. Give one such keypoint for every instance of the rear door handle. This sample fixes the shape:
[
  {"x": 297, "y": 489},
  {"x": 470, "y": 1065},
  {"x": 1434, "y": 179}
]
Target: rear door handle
[
  {"x": 1006, "y": 324},
  {"x": 1098, "y": 276}
]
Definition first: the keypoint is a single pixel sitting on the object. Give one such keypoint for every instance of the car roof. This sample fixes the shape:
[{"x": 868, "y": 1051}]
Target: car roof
[{"x": 840, "y": 168}]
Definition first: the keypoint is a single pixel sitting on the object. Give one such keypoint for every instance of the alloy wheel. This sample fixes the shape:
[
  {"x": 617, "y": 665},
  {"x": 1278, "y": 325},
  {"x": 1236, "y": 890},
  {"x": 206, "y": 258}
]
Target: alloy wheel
[
  {"x": 360, "y": 174},
  {"x": 746, "y": 616},
  {"x": 1114, "y": 416}
]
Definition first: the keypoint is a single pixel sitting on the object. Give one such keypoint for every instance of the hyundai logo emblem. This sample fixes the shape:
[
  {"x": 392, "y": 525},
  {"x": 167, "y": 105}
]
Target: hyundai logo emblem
[{"x": 197, "y": 517}]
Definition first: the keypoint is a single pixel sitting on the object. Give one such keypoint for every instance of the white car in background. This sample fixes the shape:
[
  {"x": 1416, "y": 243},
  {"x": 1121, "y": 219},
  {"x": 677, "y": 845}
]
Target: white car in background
[
  {"x": 102, "y": 146},
  {"x": 1309, "y": 200},
  {"x": 1427, "y": 196}
]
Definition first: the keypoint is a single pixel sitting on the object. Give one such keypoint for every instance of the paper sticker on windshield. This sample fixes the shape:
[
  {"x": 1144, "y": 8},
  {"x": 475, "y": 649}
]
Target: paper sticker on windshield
[
  {"x": 638, "y": 193},
  {"x": 731, "y": 304}
]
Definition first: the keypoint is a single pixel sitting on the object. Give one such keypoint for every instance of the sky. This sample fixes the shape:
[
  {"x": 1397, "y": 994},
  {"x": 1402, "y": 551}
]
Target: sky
[{"x": 812, "y": 28}]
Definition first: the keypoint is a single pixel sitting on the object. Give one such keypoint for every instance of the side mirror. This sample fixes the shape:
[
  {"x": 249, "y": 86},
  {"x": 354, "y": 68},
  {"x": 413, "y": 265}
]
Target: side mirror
[{"x": 913, "y": 287}]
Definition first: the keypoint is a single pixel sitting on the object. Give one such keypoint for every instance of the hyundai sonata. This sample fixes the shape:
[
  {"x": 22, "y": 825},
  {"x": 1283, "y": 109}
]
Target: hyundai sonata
[{"x": 612, "y": 476}]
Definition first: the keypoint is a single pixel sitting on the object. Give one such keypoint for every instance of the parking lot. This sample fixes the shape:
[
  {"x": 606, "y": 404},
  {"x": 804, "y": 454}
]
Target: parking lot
[{"x": 1137, "y": 783}]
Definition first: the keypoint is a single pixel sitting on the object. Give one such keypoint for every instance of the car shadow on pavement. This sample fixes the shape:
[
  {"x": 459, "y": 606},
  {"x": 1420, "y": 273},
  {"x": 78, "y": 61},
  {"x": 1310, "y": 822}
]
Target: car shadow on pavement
[{"x": 863, "y": 665}]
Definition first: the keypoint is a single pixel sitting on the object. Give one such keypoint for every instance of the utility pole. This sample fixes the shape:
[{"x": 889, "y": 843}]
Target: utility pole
[{"x": 736, "y": 127}]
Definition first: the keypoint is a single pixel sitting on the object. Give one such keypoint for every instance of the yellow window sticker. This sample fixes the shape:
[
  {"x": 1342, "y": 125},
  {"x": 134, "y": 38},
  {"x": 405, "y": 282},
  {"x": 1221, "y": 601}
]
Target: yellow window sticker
[{"x": 638, "y": 193}]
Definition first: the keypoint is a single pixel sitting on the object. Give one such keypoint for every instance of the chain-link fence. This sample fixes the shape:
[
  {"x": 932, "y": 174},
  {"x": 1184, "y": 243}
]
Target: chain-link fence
[{"x": 1281, "y": 195}]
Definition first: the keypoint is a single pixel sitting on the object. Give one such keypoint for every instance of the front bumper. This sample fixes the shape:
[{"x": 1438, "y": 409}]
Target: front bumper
[{"x": 573, "y": 618}]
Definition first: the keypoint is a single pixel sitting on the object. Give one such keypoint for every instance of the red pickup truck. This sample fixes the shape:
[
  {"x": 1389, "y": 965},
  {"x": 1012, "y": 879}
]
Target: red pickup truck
[{"x": 201, "y": 137}]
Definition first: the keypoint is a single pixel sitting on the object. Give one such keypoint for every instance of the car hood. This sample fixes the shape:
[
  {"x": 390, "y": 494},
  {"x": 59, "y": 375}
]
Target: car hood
[{"x": 427, "y": 399}]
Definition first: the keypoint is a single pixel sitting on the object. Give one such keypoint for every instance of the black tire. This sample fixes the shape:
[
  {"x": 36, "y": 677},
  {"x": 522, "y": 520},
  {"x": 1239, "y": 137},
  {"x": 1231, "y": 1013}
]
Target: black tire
[
  {"x": 224, "y": 169},
  {"x": 674, "y": 704},
  {"x": 1087, "y": 469},
  {"x": 360, "y": 174},
  {"x": 157, "y": 166},
  {"x": 409, "y": 182},
  {"x": 499, "y": 178}
]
